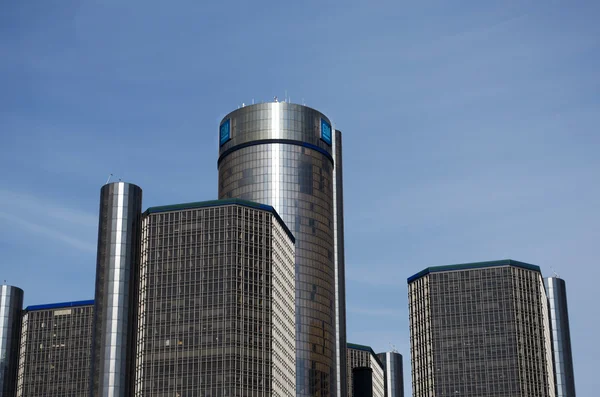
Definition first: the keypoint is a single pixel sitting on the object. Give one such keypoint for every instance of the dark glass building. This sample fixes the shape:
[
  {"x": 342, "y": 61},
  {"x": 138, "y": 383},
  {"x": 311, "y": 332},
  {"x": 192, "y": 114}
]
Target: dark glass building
[
  {"x": 480, "y": 330},
  {"x": 564, "y": 376},
  {"x": 115, "y": 304},
  {"x": 362, "y": 382},
  {"x": 54, "y": 358},
  {"x": 289, "y": 156},
  {"x": 363, "y": 361},
  {"x": 393, "y": 373},
  {"x": 11, "y": 304},
  {"x": 216, "y": 302}
]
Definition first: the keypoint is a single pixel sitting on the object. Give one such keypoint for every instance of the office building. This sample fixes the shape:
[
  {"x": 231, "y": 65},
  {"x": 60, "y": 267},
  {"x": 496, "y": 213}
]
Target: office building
[
  {"x": 393, "y": 373},
  {"x": 289, "y": 156},
  {"x": 11, "y": 304},
  {"x": 564, "y": 377},
  {"x": 480, "y": 329},
  {"x": 216, "y": 302},
  {"x": 359, "y": 356},
  {"x": 54, "y": 357},
  {"x": 115, "y": 304}
]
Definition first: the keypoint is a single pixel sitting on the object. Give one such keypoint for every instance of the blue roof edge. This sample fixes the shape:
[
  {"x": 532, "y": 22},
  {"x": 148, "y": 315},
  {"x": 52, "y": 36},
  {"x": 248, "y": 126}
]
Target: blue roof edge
[
  {"x": 474, "y": 265},
  {"x": 59, "y": 305}
]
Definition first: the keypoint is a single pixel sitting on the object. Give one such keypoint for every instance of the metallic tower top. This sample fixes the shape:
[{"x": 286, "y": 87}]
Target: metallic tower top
[
  {"x": 564, "y": 377},
  {"x": 115, "y": 305},
  {"x": 11, "y": 304}
]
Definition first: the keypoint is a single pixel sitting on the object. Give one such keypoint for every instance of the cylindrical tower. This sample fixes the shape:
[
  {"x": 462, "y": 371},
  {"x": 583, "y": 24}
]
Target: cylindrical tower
[
  {"x": 115, "y": 305},
  {"x": 564, "y": 378},
  {"x": 282, "y": 154},
  {"x": 11, "y": 305},
  {"x": 394, "y": 373}
]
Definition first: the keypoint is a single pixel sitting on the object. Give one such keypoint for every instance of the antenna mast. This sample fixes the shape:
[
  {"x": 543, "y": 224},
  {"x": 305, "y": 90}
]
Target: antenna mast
[{"x": 108, "y": 180}]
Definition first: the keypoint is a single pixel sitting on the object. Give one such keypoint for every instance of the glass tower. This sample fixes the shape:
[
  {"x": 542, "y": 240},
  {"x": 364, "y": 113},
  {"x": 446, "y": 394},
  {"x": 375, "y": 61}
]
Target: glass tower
[
  {"x": 11, "y": 304},
  {"x": 394, "y": 373},
  {"x": 56, "y": 342},
  {"x": 115, "y": 305},
  {"x": 480, "y": 330},
  {"x": 289, "y": 156},
  {"x": 564, "y": 376},
  {"x": 216, "y": 302}
]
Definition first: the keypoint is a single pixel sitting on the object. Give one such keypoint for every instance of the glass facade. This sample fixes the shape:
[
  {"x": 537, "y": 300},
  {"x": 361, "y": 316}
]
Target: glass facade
[
  {"x": 115, "y": 310},
  {"x": 393, "y": 373},
  {"x": 216, "y": 314},
  {"x": 11, "y": 304},
  {"x": 564, "y": 376},
  {"x": 480, "y": 330},
  {"x": 54, "y": 358},
  {"x": 276, "y": 155},
  {"x": 358, "y": 357}
]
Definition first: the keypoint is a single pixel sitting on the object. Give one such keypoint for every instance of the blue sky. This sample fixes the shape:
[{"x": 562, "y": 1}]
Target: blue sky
[{"x": 470, "y": 133}]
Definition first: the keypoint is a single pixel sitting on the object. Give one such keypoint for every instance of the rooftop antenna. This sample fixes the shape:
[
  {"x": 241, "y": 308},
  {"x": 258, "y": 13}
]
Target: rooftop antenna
[
  {"x": 554, "y": 272},
  {"x": 303, "y": 102},
  {"x": 275, "y": 98},
  {"x": 394, "y": 350},
  {"x": 108, "y": 180},
  {"x": 285, "y": 96}
]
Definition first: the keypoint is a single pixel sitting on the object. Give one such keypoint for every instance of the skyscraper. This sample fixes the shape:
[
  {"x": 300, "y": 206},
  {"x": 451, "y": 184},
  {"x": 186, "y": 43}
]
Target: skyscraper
[
  {"x": 359, "y": 358},
  {"x": 289, "y": 156},
  {"x": 216, "y": 302},
  {"x": 115, "y": 305},
  {"x": 393, "y": 373},
  {"x": 564, "y": 376},
  {"x": 56, "y": 342},
  {"x": 480, "y": 329},
  {"x": 11, "y": 304}
]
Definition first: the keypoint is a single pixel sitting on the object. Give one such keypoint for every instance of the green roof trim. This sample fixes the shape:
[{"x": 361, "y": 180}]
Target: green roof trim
[
  {"x": 220, "y": 203},
  {"x": 366, "y": 349},
  {"x": 475, "y": 265}
]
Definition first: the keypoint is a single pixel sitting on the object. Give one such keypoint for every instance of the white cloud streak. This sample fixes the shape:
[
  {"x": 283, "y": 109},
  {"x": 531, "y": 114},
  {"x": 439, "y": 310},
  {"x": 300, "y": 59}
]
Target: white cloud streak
[{"x": 45, "y": 218}]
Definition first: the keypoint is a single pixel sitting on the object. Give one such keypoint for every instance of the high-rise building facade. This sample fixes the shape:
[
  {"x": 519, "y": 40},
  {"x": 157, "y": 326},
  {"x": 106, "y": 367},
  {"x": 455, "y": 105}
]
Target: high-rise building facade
[
  {"x": 289, "y": 156},
  {"x": 360, "y": 357},
  {"x": 216, "y": 314},
  {"x": 564, "y": 376},
  {"x": 54, "y": 357},
  {"x": 393, "y": 373},
  {"x": 480, "y": 329},
  {"x": 11, "y": 304},
  {"x": 117, "y": 278}
]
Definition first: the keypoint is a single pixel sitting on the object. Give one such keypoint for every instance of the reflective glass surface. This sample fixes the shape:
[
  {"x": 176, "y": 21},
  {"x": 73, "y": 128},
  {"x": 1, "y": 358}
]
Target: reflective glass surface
[
  {"x": 480, "y": 333},
  {"x": 11, "y": 304},
  {"x": 115, "y": 310},
  {"x": 294, "y": 173},
  {"x": 564, "y": 377},
  {"x": 55, "y": 352},
  {"x": 216, "y": 305}
]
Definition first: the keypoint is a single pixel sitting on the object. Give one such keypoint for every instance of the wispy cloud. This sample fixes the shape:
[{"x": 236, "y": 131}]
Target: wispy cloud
[
  {"x": 32, "y": 204},
  {"x": 43, "y": 217},
  {"x": 52, "y": 233}
]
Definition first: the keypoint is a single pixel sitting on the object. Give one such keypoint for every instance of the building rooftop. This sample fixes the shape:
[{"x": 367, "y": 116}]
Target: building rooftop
[
  {"x": 59, "y": 305},
  {"x": 219, "y": 203},
  {"x": 366, "y": 349},
  {"x": 470, "y": 266}
]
